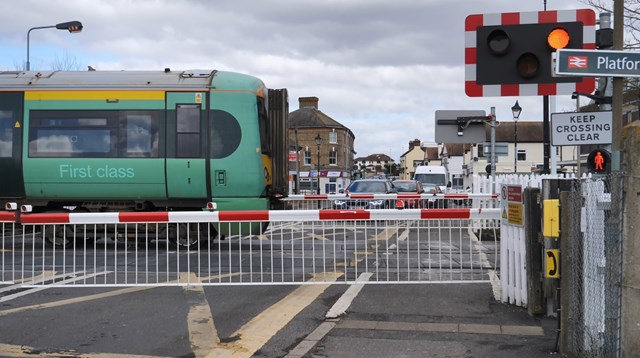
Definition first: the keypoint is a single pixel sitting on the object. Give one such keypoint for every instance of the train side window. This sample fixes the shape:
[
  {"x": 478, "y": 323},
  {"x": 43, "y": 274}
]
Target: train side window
[
  {"x": 139, "y": 136},
  {"x": 188, "y": 131},
  {"x": 6, "y": 134},
  {"x": 80, "y": 134},
  {"x": 226, "y": 134}
]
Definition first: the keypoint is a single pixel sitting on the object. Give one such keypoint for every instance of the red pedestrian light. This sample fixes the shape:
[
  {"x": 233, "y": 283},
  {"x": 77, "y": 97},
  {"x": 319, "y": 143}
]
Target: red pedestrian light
[{"x": 599, "y": 161}]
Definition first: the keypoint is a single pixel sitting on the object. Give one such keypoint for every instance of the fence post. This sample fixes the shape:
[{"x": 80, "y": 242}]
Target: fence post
[
  {"x": 567, "y": 233},
  {"x": 534, "y": 251},
  {"x": 630, "y": 344}
]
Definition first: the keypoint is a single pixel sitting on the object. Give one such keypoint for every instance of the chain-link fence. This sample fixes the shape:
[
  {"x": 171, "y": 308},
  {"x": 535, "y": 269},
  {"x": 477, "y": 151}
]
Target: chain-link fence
[{"x": 591, "y": 281}]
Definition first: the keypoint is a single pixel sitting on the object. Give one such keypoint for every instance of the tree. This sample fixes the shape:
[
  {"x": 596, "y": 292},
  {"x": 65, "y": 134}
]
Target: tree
[
  {"x": 66, "y": 63},
  {"x": 631, "y": 31},
  {"x": 631, "y": 18}
]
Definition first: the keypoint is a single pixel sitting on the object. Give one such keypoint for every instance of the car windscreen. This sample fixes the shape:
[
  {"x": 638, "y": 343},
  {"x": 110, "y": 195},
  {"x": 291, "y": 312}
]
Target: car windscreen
[
  {"x": 432, "y": 189},
  {"x": 438, "y": 179},
  {"x": 405, "y": 187},
  {"x": 368, "y": 187}
]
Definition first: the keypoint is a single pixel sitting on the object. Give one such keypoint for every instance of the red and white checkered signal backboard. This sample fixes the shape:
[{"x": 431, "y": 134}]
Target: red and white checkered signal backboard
[{"x": 473, "y": 22}]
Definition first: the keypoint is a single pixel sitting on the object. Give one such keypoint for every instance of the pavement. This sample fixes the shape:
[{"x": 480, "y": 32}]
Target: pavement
[{"x": 429, "y": 320}]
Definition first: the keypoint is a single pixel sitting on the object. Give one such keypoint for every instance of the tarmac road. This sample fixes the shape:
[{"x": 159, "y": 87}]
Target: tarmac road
[{"x": 438, "y": 320}]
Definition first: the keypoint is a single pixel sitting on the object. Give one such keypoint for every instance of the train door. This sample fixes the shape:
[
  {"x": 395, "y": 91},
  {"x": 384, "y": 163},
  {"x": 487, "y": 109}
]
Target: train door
[
  {"x": 11, "y": 124},
  {"x": 186, "y": 147}
]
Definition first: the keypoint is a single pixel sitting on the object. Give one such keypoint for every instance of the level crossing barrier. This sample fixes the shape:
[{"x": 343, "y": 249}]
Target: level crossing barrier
[
  {"x": 409, "y": 200},
  {"x": 297, "y": 247},
  {"x": 426, "y": 200}
]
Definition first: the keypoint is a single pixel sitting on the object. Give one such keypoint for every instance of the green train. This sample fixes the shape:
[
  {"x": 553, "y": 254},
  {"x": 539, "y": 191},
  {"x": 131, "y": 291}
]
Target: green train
[{"x": 92, "y": 141}]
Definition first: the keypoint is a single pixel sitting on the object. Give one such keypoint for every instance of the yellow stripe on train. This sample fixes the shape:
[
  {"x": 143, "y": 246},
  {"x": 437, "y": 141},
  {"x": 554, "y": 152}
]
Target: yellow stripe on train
[{"x": 89, "y": 95}]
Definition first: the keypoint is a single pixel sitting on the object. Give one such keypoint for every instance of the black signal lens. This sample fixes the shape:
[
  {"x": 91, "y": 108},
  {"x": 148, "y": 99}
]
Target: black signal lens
[
  {"x": 498, "y": 42},
  {"x": 528, "y": 65}
]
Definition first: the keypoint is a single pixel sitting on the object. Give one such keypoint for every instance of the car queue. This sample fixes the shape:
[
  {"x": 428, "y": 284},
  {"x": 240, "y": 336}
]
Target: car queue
[{"x": 410, "y": 194}]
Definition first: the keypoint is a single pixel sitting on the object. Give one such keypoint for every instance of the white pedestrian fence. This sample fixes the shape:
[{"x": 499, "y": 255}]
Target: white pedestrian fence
[
  {"x": 239, "y": 248},
  {"x": 408, "y": 200}
]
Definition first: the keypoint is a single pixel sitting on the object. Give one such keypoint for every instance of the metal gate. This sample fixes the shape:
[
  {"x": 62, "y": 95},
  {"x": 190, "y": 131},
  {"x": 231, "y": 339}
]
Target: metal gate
[{"x": 297, "y": 247}]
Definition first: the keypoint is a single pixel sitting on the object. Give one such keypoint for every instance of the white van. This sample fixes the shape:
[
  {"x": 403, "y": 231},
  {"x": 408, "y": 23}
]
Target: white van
[{"x": 433, "y": 174}]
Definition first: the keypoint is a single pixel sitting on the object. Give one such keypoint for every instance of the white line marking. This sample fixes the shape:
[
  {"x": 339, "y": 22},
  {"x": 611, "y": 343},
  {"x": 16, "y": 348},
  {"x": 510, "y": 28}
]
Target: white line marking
[
  {"x": 203, "y": 335},
  {"x": 342, "y": 304}
]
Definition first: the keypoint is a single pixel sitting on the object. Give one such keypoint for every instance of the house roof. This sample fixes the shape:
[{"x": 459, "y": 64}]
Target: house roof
[
  {"x": 432, "y": 153},
  {"x": 455, "y": 150},
  {"x": 528, "y": 132},
  {"x": 313, "y": 118},
  {"x": 375, "y": 158}
]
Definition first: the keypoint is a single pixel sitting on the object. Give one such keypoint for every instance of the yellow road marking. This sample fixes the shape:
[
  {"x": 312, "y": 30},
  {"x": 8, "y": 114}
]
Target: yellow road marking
[
  {"x": 8, "y": 350},
  {"x": 351, "y": 263},
  {"x": 22, "y": 280},
  {"x": 254, "y": 334},
  {"x": 74, "y": 300},
  {"x": 90, "y": 297},
  {"x": 203, "y": 335},
  {"x": 385, "y": 235},
  {"x": 318, "y": 237}
]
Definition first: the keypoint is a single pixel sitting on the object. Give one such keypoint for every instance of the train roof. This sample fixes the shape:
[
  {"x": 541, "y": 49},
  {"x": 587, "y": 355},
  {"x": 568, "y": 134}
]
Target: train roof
[{"x": 167, "y": 79}]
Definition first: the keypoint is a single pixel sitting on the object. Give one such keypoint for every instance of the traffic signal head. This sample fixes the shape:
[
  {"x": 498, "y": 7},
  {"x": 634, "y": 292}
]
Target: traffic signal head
[
  {"x": 507, "y": 50},
  {"x": 599, "y": 161},
  {"x": 521, "y": 54}
]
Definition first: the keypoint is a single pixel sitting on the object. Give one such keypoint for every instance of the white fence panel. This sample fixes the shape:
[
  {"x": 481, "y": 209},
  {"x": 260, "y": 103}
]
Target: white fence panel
[
  {"x": 513, "y": 270},
  {"x": 299, "y": 247}
]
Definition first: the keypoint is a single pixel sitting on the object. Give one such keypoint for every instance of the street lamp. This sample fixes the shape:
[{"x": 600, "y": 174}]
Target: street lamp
[
  {"x": 516, "y": 109},
  {"x": 71, "y": 26},
  {"x": 318, "y": 143}
]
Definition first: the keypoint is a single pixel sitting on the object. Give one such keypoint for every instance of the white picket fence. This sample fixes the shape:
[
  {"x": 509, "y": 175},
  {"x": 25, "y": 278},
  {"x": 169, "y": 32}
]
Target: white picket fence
[{"x": 513, "y": 268}]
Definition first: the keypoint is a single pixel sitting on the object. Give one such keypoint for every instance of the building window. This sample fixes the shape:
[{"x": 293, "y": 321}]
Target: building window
[
  {"x": 522, "y": 155},
  {"x": 333, "y": 137},
  {"x": 333, "y": 157},
  {"x": 307, "y": 157},
  {"x": 480, "y": 150}
]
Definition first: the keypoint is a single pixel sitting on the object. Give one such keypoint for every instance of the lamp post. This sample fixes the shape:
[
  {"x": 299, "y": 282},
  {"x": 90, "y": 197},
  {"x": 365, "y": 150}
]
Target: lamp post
[
  {"x": 318, "y": 143},
  {"x": 71, "y": 26},
  {"x": 516, "y": 109}
]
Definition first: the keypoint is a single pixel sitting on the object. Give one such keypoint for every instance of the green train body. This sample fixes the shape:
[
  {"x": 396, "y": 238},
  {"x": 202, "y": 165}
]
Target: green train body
[{"x": 140, "y": 140}]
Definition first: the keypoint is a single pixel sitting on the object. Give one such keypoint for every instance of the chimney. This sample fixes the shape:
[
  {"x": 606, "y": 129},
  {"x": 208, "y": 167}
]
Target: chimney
[
  {"x": 414, "y": 143},
  {"x": 308, "y": 102}
]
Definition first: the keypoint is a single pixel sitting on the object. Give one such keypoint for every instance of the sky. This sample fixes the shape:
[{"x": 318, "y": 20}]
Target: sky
[{"x": 381, "y": 68}]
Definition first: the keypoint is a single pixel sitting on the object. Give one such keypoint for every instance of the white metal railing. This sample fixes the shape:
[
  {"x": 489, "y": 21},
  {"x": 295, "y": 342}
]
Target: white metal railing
[
  {"x": 157, "y": 248},
  {"x": 412, "y": 201}
]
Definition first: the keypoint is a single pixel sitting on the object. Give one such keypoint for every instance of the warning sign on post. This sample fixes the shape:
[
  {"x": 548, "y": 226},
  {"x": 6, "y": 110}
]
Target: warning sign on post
[
  {"x": 512, "y": 206},
  {"x": 515, "y": 214}
]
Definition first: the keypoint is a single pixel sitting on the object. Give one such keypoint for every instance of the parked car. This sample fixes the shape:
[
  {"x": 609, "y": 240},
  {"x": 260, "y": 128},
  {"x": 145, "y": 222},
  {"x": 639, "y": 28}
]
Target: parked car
[
  {"x": 409, "y": 192},
  {"x": 366, "y": 186},
  {"x": 431, "y": 188}
]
